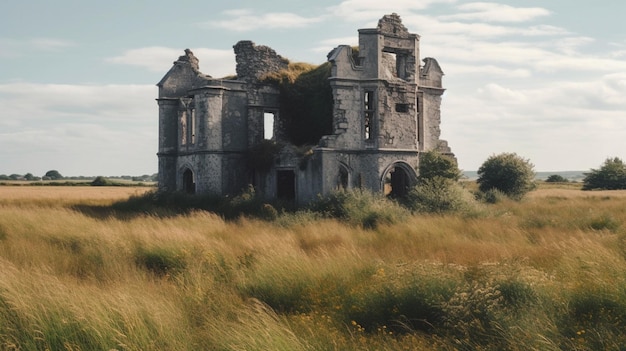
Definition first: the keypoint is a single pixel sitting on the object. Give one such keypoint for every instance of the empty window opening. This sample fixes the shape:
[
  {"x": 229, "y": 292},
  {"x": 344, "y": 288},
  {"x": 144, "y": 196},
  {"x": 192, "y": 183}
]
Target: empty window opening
[
  {"x": 403, "y": 108},
  {"x": 401, "y": 66},
  {"x": 397, "y": 63},
  {"x": 192, "y": 116},
  {"x": 397, "y": 182},
  {"x": 368, "y": 115},
  {"x": 286, "y": 185},
  {"x": 268, "y": 125},
  {"x": 188, "y": 127},
  {"x": 189, "y": 186},
  {"x": 183, "y": 128}
]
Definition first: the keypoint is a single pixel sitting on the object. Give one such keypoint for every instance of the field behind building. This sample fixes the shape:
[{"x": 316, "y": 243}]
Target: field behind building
[{"x": 546, "y": 273}]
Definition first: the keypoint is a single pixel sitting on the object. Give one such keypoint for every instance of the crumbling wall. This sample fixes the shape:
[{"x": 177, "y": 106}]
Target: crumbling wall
[{"x": 255, "y": 61}]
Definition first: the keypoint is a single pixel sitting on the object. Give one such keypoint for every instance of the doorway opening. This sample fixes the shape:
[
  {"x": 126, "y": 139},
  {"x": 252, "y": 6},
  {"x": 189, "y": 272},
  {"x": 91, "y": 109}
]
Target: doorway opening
[
  {"x": 286, "y": 185},
  {"x": 397, "y": 182},
  {"x": 189, "y": 186}
]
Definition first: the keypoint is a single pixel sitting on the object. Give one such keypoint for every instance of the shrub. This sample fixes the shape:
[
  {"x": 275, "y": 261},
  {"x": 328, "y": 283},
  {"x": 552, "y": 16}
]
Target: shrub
[
  {"x": 434, "y": 164},
  {"x": 556, "y": 178},
  {"x": 100, "y": 181},
  {"x": 610, "y": 176},
  {"x": 438, "y": 195},
  {"x": 507, "y": 172},
  {"x": 491, "y": 196},
  {"x": 160, "y": 261},
  {"x": 359, "y": 207}
]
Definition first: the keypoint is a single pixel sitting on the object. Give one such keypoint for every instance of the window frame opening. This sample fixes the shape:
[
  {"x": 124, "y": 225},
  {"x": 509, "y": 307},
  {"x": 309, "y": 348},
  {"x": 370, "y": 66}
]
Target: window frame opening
[
  {"x": 369, "y": 110},
  {"x": 269, "y": 125}
]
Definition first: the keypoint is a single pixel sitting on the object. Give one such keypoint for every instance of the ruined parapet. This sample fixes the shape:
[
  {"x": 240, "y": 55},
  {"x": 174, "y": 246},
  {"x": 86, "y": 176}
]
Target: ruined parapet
[
  {"x": 431, "y": 74},
  {"x": 183, "y": 76},
  {"x": 392, "y": 25},
  {"x": 189, "y": 58},
  {"x": 255, "y": 61}
]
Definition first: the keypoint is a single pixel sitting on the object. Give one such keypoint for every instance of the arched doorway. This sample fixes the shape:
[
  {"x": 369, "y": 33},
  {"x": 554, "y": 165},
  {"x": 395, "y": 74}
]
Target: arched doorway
[
  {"x": 398, "y": 179},
  {"x": 189, "y": 186}
]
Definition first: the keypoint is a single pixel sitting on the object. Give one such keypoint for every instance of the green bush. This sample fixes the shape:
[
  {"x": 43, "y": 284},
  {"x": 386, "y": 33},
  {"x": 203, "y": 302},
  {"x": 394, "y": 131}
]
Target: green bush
[
  {"x": 100, "y": 181},
  {"x": 491, "y": 196},
  {"x": 556, "y": 178},
  {"x": 434, "y": 164},
  {"x": 507, "y": 172},
  {"x": 610, "y": 176},
  {"x": 360, "y": 207},
  {"x": 160, "y": 261},
  {"x": 438, "y": 195}
]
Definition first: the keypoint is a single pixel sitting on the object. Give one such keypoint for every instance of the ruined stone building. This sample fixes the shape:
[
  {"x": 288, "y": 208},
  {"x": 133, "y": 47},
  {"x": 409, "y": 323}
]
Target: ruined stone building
[{"x": 377, "y": 109}]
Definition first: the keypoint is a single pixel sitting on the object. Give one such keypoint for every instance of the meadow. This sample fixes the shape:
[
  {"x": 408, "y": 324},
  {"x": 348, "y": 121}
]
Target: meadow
[{"x": 544, "y": 273}]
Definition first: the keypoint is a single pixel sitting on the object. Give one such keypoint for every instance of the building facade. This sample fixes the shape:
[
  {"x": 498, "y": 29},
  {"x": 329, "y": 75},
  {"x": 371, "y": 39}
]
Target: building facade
[{"x": 385, "y": 109}]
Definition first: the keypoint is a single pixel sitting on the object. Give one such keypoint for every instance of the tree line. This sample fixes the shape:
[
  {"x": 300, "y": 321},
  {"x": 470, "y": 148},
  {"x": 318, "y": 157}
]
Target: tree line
[{"x": 56, "y": 175}]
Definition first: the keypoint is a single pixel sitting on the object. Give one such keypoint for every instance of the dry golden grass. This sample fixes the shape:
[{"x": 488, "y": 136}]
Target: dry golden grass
[
  {"x": 69, "y": 193},
  {"x": 70, "y": 280}
]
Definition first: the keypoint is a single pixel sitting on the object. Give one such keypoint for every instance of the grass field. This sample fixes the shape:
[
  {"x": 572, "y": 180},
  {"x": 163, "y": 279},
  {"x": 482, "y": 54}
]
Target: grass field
[{"x": 546, "y": 273}]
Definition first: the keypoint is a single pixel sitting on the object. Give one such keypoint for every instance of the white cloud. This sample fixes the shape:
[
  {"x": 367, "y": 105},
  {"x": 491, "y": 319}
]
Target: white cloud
[
  {"x": 49, "y": 44},
  {"x": 371, "y": 10},
  {"x": 12, "y": 48},
  {"x": 459, "y": 69},
  {"x": 325, "y": 46},
  {"x": 245, "y": 20},
  {"x": 493, "y": 12},
  {"x": 78, "y": 127},
  {"x": 159, "y": 59}
]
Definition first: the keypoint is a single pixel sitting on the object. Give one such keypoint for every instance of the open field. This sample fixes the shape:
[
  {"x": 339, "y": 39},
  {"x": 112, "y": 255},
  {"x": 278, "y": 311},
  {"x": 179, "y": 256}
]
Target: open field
[{"x": 546, "y": 273}]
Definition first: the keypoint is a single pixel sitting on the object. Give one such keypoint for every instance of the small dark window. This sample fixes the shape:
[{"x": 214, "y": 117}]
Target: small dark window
[{"x": 402, "y": 108}]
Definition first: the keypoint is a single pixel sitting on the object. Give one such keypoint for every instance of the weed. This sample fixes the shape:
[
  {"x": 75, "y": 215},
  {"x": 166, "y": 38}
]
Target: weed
[{"x": 160, "y": 261}]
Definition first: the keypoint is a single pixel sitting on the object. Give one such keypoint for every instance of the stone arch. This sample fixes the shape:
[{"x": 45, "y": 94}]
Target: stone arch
[
  {"x": 397, "y": 179},
  {"x": 188, "y": 181}
]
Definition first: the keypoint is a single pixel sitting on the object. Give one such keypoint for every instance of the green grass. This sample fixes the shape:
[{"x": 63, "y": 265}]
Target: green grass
[{"x": 544, "y": 273}]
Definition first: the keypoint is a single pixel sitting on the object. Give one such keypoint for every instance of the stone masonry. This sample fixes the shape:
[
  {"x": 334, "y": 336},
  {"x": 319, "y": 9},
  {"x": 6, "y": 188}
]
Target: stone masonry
[{"x": 386, "y": 110}]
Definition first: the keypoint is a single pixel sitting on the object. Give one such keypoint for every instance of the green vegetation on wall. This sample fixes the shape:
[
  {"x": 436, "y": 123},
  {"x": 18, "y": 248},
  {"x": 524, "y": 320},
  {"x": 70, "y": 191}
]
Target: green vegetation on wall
[{"x": 306, "y": 101}]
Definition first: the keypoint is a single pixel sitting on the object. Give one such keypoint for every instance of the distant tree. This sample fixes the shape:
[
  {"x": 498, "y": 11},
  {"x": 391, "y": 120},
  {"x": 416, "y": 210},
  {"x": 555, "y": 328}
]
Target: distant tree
[
  {"x": 507, "y": 172},
  {"x": 29, "y": 176},
  {"x": 4, "y": 177},
  {"x": 610, "y": 176},
  {"x": 53, "y": 175},
  {"x": 556, "y": 178},
  {"x": 15, "y": 176},
  {"x": 435, "y": 164},
  {"x": 100, "y": 181}
]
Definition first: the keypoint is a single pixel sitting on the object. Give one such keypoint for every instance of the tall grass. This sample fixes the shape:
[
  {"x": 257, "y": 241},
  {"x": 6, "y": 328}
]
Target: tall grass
[{"x": 546, "y": 273}]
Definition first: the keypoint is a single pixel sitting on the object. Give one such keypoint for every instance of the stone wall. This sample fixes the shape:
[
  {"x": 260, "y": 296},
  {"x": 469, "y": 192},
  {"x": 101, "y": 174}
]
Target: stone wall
[{"x": 255, "y": 61}]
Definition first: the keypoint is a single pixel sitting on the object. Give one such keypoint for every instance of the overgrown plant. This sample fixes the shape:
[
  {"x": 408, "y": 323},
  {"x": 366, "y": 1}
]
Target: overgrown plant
[
  {"x": 306, "y": 101},
  {"x": 359, "y": 207},
  {"x": 610, "y": 176},
  {"x": 438, "y": 195},
  {"x": 507, "y": 172},
  {"x": 434, "y": 164}
]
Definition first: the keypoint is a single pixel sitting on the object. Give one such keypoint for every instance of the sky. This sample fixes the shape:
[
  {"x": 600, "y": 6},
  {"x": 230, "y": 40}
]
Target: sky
[{"x": 545, "y": 79}]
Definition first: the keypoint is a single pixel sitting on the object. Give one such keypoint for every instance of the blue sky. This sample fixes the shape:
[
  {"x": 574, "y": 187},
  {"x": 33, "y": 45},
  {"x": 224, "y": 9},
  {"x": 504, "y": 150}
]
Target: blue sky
[{"x": 544, "y": 79}]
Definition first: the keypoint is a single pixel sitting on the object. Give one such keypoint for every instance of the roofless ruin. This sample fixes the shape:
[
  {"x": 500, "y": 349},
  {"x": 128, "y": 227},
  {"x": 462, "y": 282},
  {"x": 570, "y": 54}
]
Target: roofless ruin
[{"x": 294, "y": 131}]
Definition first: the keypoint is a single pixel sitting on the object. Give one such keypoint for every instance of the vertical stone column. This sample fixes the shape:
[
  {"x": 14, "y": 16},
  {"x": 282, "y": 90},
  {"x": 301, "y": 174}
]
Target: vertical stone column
[
  {"x": 168, "y": 143},
  {"x": 209, "y": 105}
]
